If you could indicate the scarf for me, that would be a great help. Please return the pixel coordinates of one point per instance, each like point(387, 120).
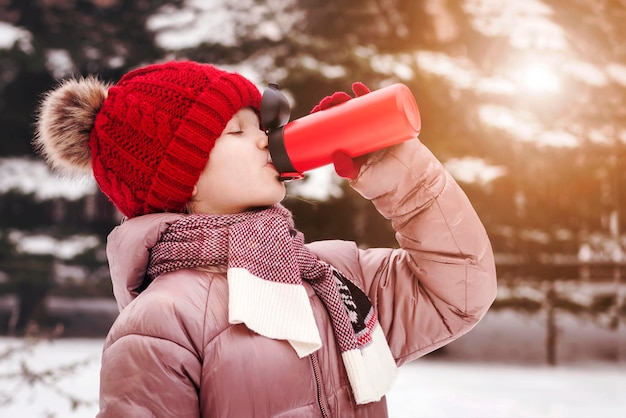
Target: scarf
point(266, 263)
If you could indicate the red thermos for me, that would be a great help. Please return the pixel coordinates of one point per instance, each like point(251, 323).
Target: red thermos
point(354, 128)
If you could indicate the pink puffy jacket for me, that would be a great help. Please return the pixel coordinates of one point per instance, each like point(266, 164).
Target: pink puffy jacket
point(173, 353)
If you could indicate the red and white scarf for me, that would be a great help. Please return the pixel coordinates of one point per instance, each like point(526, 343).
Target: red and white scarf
point(267, 261)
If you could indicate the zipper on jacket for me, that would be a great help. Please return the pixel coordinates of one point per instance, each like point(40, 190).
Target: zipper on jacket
point(321, 398)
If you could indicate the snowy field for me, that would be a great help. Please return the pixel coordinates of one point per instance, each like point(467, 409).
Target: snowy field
point(425, 388)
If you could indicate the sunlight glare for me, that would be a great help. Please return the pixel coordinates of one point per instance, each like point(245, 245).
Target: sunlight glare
point(538, 79)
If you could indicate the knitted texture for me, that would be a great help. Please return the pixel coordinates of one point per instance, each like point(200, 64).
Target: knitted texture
point(264, 243)
point(267, 261)
point(155, 131)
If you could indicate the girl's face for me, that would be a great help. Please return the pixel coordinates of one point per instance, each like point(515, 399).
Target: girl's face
point(239, 174)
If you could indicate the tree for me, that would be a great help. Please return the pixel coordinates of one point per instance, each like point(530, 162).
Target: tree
point(534, 89)
point(544, 105)
point(65, 37)
point(58, 39)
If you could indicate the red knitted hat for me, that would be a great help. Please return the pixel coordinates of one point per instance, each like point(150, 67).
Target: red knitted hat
point(154, 133)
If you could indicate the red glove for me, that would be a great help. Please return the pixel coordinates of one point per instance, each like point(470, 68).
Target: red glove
point(345, 166)
point(358, 88)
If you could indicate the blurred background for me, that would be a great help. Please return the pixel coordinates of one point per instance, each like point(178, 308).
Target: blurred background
point(524, 101)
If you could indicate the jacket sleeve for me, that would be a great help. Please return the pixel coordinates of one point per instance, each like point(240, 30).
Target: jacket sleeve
point(143, 376)
point(442, 279)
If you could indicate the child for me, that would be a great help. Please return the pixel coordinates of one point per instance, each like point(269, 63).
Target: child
point(224, 311)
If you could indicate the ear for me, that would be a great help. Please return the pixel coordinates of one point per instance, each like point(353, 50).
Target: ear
point(195, 191)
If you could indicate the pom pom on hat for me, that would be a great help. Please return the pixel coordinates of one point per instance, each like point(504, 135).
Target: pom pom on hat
point(146, 138)
point(64, 123)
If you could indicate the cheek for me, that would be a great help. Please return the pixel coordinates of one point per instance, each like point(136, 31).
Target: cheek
point(230, 180)
point(223, 164)
point(234, 174)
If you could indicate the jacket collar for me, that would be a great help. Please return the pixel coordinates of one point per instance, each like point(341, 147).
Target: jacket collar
point(128, 251)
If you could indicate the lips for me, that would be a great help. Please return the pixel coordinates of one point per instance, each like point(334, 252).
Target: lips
point(270, 163)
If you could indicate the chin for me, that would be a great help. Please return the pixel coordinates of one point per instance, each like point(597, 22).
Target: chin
point(270, 201)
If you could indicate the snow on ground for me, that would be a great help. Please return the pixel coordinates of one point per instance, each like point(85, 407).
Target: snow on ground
point(432, 387)
point(443, 389)
point(40, 401)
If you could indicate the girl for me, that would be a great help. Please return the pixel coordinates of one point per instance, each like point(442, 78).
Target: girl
point(224, 310)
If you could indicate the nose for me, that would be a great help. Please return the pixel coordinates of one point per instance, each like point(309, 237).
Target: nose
point(262, 141)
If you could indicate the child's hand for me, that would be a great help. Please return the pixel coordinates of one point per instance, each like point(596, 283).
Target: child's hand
point(345, 166)
point(358, 88)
